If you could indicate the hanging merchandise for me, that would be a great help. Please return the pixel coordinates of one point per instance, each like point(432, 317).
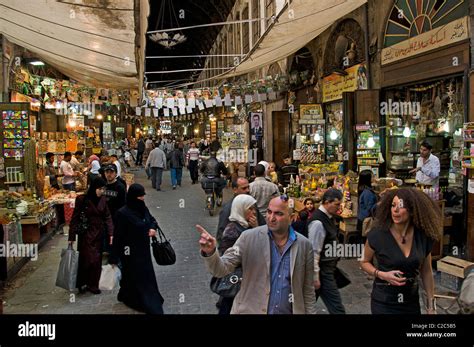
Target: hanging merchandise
point(30, 163)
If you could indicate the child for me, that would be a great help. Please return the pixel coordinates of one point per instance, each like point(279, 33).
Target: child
point(272, 172)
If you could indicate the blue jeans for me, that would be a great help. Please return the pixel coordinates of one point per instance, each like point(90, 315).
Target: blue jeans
point(176, 175)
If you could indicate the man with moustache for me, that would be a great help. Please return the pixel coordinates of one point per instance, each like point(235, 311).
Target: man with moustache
point(277, 264)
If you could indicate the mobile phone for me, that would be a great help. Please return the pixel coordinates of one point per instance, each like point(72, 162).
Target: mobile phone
point(399, 275)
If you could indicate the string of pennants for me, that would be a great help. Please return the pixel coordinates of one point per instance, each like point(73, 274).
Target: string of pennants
point(181, 106)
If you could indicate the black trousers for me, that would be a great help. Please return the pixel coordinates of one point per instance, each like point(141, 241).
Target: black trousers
point(193, 170)
point(328, 290)
point(139, 158)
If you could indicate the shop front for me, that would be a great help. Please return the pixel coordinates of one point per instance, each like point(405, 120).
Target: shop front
point(424, 98)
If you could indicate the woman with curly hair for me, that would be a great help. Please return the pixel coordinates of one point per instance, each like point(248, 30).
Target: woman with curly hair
point(406, 224)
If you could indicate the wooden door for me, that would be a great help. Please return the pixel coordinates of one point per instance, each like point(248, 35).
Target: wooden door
point(280, 135)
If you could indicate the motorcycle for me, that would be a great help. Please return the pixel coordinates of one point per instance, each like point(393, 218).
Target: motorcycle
point(212, 198)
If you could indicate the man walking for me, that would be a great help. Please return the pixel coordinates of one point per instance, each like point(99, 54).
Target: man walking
point(323, 234)
point(277, 276)
point(157, 162)
point(262, 190)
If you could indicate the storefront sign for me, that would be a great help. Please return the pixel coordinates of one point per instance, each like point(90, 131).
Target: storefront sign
point(120, 130)
point(452, 32)
point(335, 84)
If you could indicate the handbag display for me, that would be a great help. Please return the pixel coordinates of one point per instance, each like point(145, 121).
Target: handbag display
point(162, 250)
point(342, 278)
point(229, 285)
point(67, 273)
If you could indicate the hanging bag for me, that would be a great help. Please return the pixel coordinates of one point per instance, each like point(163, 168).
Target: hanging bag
point(162, 250)
point(67, 273)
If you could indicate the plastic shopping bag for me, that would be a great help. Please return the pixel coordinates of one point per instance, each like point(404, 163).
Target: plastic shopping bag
point(67, 273)
point(109, 277)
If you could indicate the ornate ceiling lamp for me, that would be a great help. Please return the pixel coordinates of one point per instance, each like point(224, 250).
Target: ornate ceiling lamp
point(168, 40)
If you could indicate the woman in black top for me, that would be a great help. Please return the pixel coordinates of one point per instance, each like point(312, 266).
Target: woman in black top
point(407, 222)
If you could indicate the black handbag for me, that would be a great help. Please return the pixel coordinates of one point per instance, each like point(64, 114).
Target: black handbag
point(162, 250)
point(229, 285)
point(342, 278)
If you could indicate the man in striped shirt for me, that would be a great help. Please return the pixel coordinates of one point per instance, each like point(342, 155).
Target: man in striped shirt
point(192, 158)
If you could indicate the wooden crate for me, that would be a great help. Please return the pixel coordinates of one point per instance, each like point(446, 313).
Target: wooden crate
point(454, 266)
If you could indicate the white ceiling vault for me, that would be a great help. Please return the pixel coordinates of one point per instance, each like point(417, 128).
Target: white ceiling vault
point(95, 42)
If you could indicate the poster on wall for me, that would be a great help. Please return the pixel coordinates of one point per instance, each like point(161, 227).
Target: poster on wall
point(256, 136)
point(256, 126)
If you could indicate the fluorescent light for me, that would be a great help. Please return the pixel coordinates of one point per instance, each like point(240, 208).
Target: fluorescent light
point(406, 131)
point(37, 63)
point(333, 135)
point(370, 142)
point(317, 137)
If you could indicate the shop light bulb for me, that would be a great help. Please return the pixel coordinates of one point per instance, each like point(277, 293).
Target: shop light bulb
point(138, 130)
point(446, 126)
point(333, 135)
point(370, 142)
point(72, 123)
point(99, 117)
point(196, 131)
point(317, 137)
point(406, 131)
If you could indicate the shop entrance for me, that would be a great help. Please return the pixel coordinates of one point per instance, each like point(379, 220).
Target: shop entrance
point(281, 135)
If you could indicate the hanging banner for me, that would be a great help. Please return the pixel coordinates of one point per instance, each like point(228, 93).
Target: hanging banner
point(452, 32)
point(334, 85)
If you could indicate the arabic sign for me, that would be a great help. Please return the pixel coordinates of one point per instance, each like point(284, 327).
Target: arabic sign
point(334, 85)
point(452, 32)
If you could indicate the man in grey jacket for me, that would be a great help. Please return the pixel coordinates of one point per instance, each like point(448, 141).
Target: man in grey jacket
point(157, 162)
point(277, 265)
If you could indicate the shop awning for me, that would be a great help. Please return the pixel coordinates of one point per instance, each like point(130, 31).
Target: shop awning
point(298, 24)
point(92, 42)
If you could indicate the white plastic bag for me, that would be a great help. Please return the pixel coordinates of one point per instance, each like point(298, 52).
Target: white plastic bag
point(109, 277)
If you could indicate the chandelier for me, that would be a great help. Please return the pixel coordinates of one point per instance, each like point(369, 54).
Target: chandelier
point(172, 38)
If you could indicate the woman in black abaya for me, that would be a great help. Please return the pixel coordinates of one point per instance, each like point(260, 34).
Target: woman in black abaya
point(134, 225)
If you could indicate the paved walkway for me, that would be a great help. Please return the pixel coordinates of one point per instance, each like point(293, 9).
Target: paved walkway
point(184, 286)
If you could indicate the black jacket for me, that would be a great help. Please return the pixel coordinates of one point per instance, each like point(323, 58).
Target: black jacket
point(213, 167)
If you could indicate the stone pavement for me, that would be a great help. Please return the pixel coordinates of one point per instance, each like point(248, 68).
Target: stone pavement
point(184, 285)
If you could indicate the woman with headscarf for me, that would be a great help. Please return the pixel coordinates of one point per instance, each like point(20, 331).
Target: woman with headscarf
point(93, 168)
point(94, 206)
point(134, 225)
point(243, 216)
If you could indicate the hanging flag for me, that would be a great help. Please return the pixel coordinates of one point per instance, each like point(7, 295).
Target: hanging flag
point(147, 112)
point(138, 111)
point(218, 101)
point(170, 102)
point(166, 112)
point(227, 100)
point(192, 102)
point(159, 103)
point(200, 106)
point(155, 112)
point(238, 100)
point(175, 111)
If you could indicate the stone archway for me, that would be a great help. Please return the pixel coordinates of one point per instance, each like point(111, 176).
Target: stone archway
point(345, 47)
